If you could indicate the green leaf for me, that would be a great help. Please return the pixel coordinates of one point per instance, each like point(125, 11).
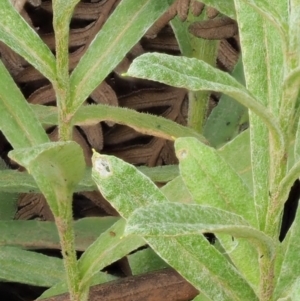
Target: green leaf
point(203, 266)
point(109, 174)
point(141, 122)
point(18, 122)
point(239, 249)
point(239, 148)
point(228, 118)
point(245, 257)
point(145, 261)
point(57, 167)
point(8, 205)
point(109, 247)
point(22, 266)
point(201, 297)
point(161, 174)
point(120, 33)
point(200, 263)
point(196, 75)
point(276, 12)
point(212, 181)
point(176, 191)
point(8, 201)
point(15, 181)
point(175, 219)
point(18, 35)
point(43, 235)
point(266, 87)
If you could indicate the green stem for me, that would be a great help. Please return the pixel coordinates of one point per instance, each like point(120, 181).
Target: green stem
point(62, 89)
point(206, 50)
point(61, 21)
point(62, 13)
point(198, 103)
point(64, 121)
point(267, 266)
point(64, 224)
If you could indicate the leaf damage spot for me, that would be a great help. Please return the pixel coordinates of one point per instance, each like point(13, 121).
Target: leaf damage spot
point(102, 165)
point(182, 154)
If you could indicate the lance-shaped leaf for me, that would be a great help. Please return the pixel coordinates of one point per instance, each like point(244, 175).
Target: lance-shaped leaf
point(109, 247)
point(229, 117)
point(199, 262)
point(203, 266)
point(261, 46)
point(56, 167)
point(18, 35)
point(123, 185)
point(22, 266)
point(8, 201)
point(120, 33)
point(43, 235)
point(212, 181)
point(239, 146)
point(195, 75)
point(16, 181)
point(141, 122)
point(18, 122)
point(275, 11)
point(245, 256)
point(175, 219)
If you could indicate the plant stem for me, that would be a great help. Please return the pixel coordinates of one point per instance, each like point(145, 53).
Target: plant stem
point(198, 103)
point(199, 100)
point(206, 50)
point(64, 224)
point(61, 21)
point(62, 13)
point(267, 266)
point(63, 89)
point(64, 121)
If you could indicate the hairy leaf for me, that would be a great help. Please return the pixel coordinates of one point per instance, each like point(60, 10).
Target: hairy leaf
point(121, 32)
point(56, 167)
point(195, 75)
point(200, 263)
point(212, 181)
point(175, 219)
point(18, 122)
point(18, 35)
point(22, 266)
point(97, 256)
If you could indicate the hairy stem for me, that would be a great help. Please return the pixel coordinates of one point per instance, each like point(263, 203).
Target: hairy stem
point(64, 223)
